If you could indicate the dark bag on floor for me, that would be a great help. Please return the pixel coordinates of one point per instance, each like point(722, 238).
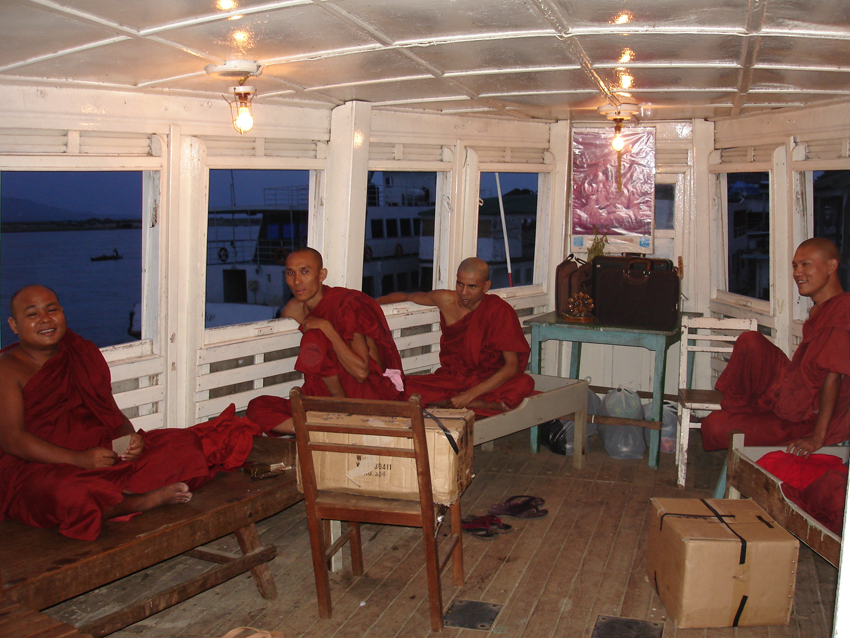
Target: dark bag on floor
point(572, 276)
point(636, 292)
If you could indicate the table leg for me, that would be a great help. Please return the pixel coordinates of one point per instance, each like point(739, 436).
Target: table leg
point(657, 402)
point(575, 359)
point(536, 346)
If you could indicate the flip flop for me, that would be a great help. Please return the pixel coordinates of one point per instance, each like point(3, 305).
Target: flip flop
point(513, 502)
point(479, 529)
point(494, 522)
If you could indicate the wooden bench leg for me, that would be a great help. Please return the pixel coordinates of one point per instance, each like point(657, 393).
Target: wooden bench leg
point(249, 541)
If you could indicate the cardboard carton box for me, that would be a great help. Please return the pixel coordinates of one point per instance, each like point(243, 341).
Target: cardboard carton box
point(395, 477)
point(721, 563)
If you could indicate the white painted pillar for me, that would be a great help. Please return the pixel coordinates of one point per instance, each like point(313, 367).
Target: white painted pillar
point(184, 264)
point(344, 221)
point(464, 222)
point(557, 235)
point(782, 247)
point(701, 251)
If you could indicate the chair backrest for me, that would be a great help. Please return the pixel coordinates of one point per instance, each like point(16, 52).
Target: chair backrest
point(304, 413)
point(708, 334)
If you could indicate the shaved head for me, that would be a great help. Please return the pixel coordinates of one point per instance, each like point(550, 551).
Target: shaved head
point(826, 248)
point(306, 250)
point(476, 267)
point(29, 288)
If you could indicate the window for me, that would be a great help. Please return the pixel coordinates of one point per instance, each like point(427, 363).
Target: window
point(665, 206)
point(256, 218)
point(748, 234)
point(395, 213)
point(78, 233)
point(831, 208)
point(519, 198)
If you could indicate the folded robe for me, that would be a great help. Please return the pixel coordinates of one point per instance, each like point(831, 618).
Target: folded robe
point(350, 312)
point(774, 400)
point(69, 403)
point(471, 351)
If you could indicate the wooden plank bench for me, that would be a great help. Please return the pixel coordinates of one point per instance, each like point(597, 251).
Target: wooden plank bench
point(42, 568)
point(21, 622)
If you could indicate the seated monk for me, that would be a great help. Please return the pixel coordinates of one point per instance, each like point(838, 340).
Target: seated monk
point(347, 349)
point(57, 423)
point(804, 402)
point(483, 352)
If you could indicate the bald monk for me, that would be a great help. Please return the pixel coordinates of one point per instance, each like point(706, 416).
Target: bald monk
point(57, 423)
point(804, 402)
point(347, 348)
point(483, 352)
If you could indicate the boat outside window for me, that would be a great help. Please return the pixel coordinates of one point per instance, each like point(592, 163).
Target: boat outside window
point(398, 255)
point(256, 218)
point(80, 234)
point(748, 234)
point(511, 261)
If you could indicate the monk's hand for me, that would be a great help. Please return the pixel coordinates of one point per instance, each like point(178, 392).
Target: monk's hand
point(461, 400)
point(95, 458)
point(135, 448)
point(805, 446)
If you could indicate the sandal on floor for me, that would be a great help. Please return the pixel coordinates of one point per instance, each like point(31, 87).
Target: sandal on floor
point(479, 529)
point(520, 507)
point(494, 522)
point(516, 501)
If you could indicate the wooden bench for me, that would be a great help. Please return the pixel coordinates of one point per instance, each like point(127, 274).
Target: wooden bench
point(21, 622)
point(42, 568)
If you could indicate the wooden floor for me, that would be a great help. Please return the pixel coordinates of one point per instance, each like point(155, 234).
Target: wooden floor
point(552, 575)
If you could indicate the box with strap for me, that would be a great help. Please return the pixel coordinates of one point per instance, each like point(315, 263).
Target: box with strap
point(721, 563)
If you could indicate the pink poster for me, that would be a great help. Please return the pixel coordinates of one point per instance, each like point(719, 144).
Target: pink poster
point(611, 195)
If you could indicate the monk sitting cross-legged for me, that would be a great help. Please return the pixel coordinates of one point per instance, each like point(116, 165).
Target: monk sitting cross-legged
point(58, 419)
point(347, 348)
point(483, 352)
point(804, 402)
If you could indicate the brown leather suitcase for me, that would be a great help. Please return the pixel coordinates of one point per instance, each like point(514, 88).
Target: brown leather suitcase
point(636, 292)
point(571, 276)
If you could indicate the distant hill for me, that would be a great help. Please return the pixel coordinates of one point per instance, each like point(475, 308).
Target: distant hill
point(15, 209)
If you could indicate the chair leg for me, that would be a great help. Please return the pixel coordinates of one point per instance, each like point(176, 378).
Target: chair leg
point(457, 552)
point(684, 432)
point(356, 549)
point(432, 567)
point(320, 565)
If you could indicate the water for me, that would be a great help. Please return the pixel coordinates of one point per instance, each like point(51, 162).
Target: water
point(97, 295)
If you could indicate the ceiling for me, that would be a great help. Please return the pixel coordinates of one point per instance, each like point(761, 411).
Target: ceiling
point(549, 59)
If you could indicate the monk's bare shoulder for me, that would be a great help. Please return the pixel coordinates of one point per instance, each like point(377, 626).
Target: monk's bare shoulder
point(294, 309)
point(14, 369)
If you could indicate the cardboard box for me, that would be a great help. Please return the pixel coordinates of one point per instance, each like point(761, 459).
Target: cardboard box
point(721, 563)
point(395, 477)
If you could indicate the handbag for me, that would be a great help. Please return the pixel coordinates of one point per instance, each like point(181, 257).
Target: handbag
point(252, 633)
point(635, 294)
point(572, 276)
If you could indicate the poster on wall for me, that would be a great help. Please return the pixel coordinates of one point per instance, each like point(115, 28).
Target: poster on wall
point(613, 194)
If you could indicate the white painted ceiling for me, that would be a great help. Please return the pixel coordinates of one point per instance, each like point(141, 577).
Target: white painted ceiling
point(521, 58)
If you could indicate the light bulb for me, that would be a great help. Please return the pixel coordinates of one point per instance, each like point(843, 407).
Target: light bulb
point(618, 143)
point(244, 121)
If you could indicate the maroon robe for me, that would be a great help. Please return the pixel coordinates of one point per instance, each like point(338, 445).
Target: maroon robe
point(69, 403)
point(350, 312)
point(775, 401)
point(471, 351)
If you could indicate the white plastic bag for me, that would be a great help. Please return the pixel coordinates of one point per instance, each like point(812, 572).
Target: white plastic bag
point(623, 442)
point(669, 425)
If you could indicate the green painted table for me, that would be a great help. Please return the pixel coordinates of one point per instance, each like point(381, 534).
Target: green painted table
point(550, 327)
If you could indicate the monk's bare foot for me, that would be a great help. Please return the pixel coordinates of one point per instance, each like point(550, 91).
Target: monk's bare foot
point(174, 493)
point(287, 427)
point(499, 406)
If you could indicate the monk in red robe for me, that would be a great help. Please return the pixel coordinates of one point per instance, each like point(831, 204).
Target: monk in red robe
point(57, 424)
point(347, 348)
point(804, 402)
point(483, 352)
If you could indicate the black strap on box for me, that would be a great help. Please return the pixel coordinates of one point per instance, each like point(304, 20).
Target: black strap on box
point(720, 517)
point(444, 429)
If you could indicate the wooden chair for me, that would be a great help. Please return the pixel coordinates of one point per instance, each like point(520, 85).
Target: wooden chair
point(702, 334)
point(323, 505)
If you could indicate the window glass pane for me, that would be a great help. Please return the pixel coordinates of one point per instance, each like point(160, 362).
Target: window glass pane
point(78, 233)
point(665, 201)
point(519, 196)
point(748, 197)
point(256, 218)
point(396, 260)
point(832, 211)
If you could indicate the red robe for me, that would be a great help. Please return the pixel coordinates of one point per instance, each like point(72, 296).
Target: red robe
point(775, 401)
point(350, 312)
point(69, 403)
point(471, 351)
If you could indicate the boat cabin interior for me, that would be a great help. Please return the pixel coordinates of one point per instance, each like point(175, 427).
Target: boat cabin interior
point(404, 136)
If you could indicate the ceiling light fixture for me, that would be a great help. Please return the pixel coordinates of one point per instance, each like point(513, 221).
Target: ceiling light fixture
point(619, 114)
point(241, 96)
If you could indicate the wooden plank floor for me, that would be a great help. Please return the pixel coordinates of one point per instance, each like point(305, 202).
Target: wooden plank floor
point(552, 575)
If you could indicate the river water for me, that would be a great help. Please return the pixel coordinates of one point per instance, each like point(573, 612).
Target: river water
point(97, 296)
